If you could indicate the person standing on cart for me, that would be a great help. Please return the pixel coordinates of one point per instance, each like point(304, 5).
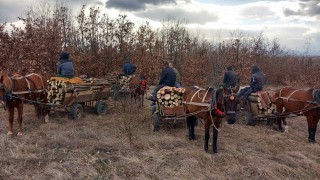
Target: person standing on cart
point(167, 78)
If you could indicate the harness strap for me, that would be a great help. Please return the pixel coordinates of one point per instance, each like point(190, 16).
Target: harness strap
point(205, 95)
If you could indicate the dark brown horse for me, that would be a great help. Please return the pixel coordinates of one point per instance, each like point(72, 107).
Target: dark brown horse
point(18, 89)
point(209, 105)
point(138, 89)
point(301, 102)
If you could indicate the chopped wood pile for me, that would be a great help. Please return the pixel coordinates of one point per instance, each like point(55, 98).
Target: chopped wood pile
point(257, 105)
point(124, 82)
point(58, 89)
point(170, 96)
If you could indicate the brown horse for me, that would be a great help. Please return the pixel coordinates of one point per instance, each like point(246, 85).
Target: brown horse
point(18, 89)
point(301, 102)
point(137, 89)
point(209, 105)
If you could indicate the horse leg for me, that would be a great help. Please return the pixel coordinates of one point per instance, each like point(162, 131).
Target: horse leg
point(286, 127)
point(215, 138)
point(206, 135)
point(313, 130)
point(191, 123)
point(20, 113)
point(11, 117)
point(279, 121)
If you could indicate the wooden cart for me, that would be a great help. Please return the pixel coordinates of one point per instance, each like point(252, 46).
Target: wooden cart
point(74, 102)
point(167, 115)
point(251, 114)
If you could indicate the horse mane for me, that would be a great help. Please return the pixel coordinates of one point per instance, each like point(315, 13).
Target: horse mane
point(316, 95)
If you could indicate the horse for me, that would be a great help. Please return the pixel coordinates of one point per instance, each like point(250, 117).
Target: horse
point(18, 89)
point(138, 89)
point(289, 100)
point(210, 105)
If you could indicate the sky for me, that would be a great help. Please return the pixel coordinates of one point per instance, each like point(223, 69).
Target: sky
point(295, 23)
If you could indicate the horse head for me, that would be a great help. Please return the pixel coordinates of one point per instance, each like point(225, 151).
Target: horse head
point(5, 83)
point(230, 101)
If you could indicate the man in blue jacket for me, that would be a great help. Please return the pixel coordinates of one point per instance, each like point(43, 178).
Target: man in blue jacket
point(167, 78)
point(128, 68)
point(65, 66)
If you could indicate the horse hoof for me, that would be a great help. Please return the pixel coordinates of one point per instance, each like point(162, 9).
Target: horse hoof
point(20, 134)
point(214, 151)
point(9, 133)
point(46, 119)
point(312, 141)
point(286, 129)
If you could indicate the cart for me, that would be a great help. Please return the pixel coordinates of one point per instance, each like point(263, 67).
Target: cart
point(74, 102)
point(251, 114)
point(167, 115)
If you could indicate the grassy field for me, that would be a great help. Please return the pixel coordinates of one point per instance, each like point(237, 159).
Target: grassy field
point(121, 145)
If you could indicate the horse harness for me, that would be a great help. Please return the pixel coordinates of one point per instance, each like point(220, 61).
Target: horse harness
point(10, 94)
point(305, 108)
point(211, 105)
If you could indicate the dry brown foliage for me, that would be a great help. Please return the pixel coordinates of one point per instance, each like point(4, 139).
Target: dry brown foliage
point(100, 45)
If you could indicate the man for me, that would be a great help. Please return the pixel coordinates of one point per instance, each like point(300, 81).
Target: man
point(167, 78)
point(230, 78)
point(257, 81)
point(128, 68)
point(65, 66)
point(178, 82)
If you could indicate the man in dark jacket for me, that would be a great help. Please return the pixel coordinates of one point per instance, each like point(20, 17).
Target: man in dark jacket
point(230, 78)
point(167, 78)
point(257, 81)
point(65, 66)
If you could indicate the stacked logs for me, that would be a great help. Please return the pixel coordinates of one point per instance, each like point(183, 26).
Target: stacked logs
point(170, 96)
point(57, 89)
point(124, 82)
point(257, 107)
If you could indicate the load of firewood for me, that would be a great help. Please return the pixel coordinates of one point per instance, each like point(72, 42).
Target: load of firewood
point(124, 82)
point(57, 89)
point(170, 96)
point(258, 107)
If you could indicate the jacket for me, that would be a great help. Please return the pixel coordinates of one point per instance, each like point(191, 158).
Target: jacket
point(230, 79)
point(257, 80)
point(168, 77)
point(65, 68)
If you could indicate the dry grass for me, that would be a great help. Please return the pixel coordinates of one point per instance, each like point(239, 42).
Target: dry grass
point(121, 145)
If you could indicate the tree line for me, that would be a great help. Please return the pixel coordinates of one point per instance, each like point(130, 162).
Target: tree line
point(99, 45)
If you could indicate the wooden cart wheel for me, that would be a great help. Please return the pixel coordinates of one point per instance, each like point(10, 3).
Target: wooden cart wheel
point(76, 111)
point(245, 117)
point(101, 107)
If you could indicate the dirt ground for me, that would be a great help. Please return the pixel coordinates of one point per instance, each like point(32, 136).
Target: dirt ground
point(121, 145)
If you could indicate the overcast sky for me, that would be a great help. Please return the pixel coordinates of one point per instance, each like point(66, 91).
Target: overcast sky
point(293, 22)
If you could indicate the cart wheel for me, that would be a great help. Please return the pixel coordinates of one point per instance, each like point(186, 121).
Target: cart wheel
point(155, 124)
point(101, 107)
point(76, 111)
point(246, 118)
